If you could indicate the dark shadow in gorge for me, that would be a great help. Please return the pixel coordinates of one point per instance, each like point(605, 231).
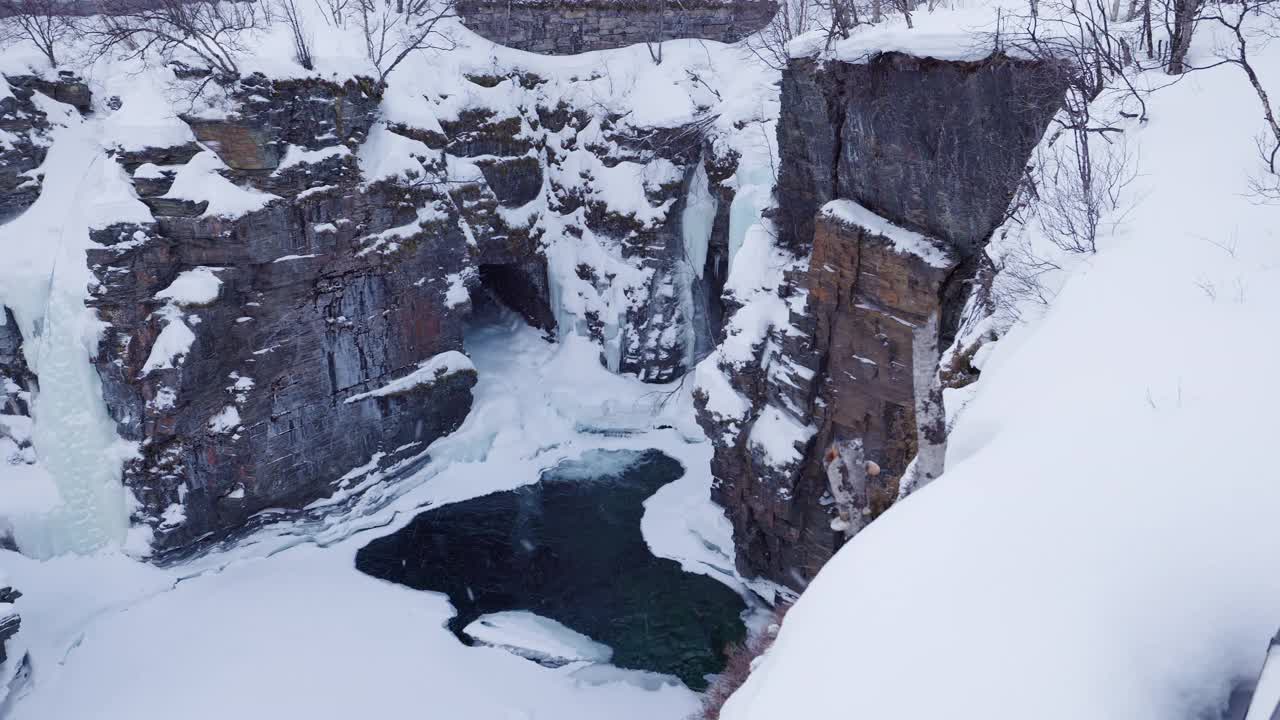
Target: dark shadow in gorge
point(569, 548)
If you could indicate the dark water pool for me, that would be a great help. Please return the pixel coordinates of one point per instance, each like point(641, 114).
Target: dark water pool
point(569, 548)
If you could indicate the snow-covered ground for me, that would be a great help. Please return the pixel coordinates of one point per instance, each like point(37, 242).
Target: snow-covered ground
point(280, 625)
point(1103, 544)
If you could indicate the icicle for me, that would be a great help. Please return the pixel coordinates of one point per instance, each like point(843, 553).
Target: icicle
point(697, 220)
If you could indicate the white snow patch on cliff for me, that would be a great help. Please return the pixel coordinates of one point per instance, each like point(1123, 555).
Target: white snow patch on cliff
point(172, 344)
point(200, 181)
point(227, 419)
point(198, 286)
point(932, 251)
point(295, 155)
point(429, 372)
point(779, 437)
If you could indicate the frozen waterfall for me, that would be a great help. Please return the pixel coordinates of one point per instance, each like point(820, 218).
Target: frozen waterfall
point(46, 286)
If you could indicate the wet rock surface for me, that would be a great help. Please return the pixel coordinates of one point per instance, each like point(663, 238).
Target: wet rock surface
point(569, 548)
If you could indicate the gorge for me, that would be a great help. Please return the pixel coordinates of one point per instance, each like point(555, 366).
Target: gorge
point(541, 371)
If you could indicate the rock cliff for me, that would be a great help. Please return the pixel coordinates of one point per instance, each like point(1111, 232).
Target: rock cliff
point(291, 317)
point(893, 174)
point(567, 27)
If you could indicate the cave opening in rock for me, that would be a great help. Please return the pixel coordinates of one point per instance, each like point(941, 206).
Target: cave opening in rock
point(520, 287)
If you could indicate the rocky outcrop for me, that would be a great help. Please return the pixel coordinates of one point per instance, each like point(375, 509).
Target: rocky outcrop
point(23, 144)
point(16, 379)
point(567, 27)
point(17, 383)
point(936, 146)
point(275, 333)
point(894, 172)
point(248, 356)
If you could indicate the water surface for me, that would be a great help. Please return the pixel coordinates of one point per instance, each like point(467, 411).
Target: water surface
point(569, 548)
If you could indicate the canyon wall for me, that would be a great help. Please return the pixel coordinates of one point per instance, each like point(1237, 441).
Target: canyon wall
point(291, 317)
point(893, 174)
point(567, 27)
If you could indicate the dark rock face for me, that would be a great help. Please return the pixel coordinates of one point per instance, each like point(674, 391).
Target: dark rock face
point(17, 383)
point(22, 149)
point(10, 623)
point(16, 379)
point(267, 407)
point(936, 147)
point(568, 27)
point(900, 135)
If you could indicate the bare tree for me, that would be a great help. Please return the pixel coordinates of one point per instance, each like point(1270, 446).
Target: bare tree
point(43, 23)
point(1236, 17)
point(335, 11)
point(1184, 22)
point(794, 18)
point(393, 29)
point(1081, 170)
point(298, 32)
point(211, 33)
point(1080, 188)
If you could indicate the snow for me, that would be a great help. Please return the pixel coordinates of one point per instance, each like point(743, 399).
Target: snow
point(457, 294)
point(172, 344)
point(198, 286)
point(295, 155)
point(428, 372)
point(535, 637)
point(780, 437)
point(146, 117)
point(957, 34)
point(1266, 697)
point(200, 181)
point(932, 251)
point(1101, 543)
point(227, 419)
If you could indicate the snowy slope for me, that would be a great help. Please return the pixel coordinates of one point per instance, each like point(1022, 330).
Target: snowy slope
point(1103, 542)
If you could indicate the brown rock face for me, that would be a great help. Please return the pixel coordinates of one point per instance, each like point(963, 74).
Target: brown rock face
point(870, 319)
point(869, 302)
